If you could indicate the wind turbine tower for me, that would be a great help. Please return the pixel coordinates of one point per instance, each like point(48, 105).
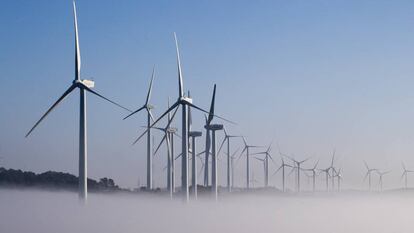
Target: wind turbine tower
point(84, 86)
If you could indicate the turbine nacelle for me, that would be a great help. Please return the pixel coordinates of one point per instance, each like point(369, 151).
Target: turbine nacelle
point(195, 134)
point(185, 99)
point(214, 127)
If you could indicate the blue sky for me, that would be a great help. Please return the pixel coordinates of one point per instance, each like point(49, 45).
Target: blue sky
point(311, 75)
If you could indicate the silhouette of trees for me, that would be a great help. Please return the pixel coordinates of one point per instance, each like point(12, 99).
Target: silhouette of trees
point(51, 179)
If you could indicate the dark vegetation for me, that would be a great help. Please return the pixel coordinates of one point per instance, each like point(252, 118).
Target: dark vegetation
point(52, 180)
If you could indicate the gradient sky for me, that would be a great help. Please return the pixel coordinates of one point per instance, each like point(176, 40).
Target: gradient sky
point(310, 75)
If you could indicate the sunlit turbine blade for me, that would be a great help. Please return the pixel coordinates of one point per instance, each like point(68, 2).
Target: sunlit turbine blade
point(150, 86)
point(99, 95)
point(77, 50)
point(67, 92)
point(180, 77)
point(150, 113)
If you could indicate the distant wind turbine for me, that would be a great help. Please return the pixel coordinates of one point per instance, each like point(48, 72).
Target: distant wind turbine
point(168, 137)
point(368, 174)
point(405, 175)
point(147, 106)
point(229, 163)
point(282, 168)
point(247, 150)
point(266, 164)
point(297, 163)
point(313, 171)
point(381, 174)
point(83, 85)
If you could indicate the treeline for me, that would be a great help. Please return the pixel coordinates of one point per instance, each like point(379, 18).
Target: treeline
point(52, 180)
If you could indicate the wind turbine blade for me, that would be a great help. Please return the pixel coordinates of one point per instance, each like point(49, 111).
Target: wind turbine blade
point(211, 113)
point(69, 90)
point(366, 165)
point(99, 95)
point(259, 159)
point(150, 86)
point(235, 152)
point(271, 158)
point(316, 164)
point(180, 77)
point(168, 125)
point(196, 107)
point(333, 157)
point(159, 145)
point(77, 50)
point(402, 176)
point(366, 175)
point(274, 173)
point(402, 163)
point(166, 112)
point(221, 145)
point(291, 171)
point(150, 113)
point(200, 153)
point(136, 111)
point(305, 160)
point(258, 153)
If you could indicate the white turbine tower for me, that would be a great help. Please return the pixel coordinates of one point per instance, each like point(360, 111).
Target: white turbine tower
point(83, 85)
point(147, 106)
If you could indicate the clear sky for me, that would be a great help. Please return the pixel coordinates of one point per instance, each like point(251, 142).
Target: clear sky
point(312, 75)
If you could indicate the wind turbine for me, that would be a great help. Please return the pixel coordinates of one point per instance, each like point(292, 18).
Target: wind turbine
point(185, 103)
point(298, 163)
point(208, 139)
point(405, 175)
point(169, 133)
point(232, 158)
point(381, 174)
point(247, 148)
point(266, 164)
point(338, 175)
point(313, 170)
point(147, 106)
point(84, 86)
point(327, 175)
point(229, 163)
point(332, 169)
point(368, 174)
point(282, 168)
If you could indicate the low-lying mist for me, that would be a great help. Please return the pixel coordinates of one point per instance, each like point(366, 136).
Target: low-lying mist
point(46, 211)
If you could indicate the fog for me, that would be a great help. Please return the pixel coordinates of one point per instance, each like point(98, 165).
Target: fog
point(44, 211)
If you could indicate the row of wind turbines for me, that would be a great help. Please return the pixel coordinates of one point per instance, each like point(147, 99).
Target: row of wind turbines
point(189, 142)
